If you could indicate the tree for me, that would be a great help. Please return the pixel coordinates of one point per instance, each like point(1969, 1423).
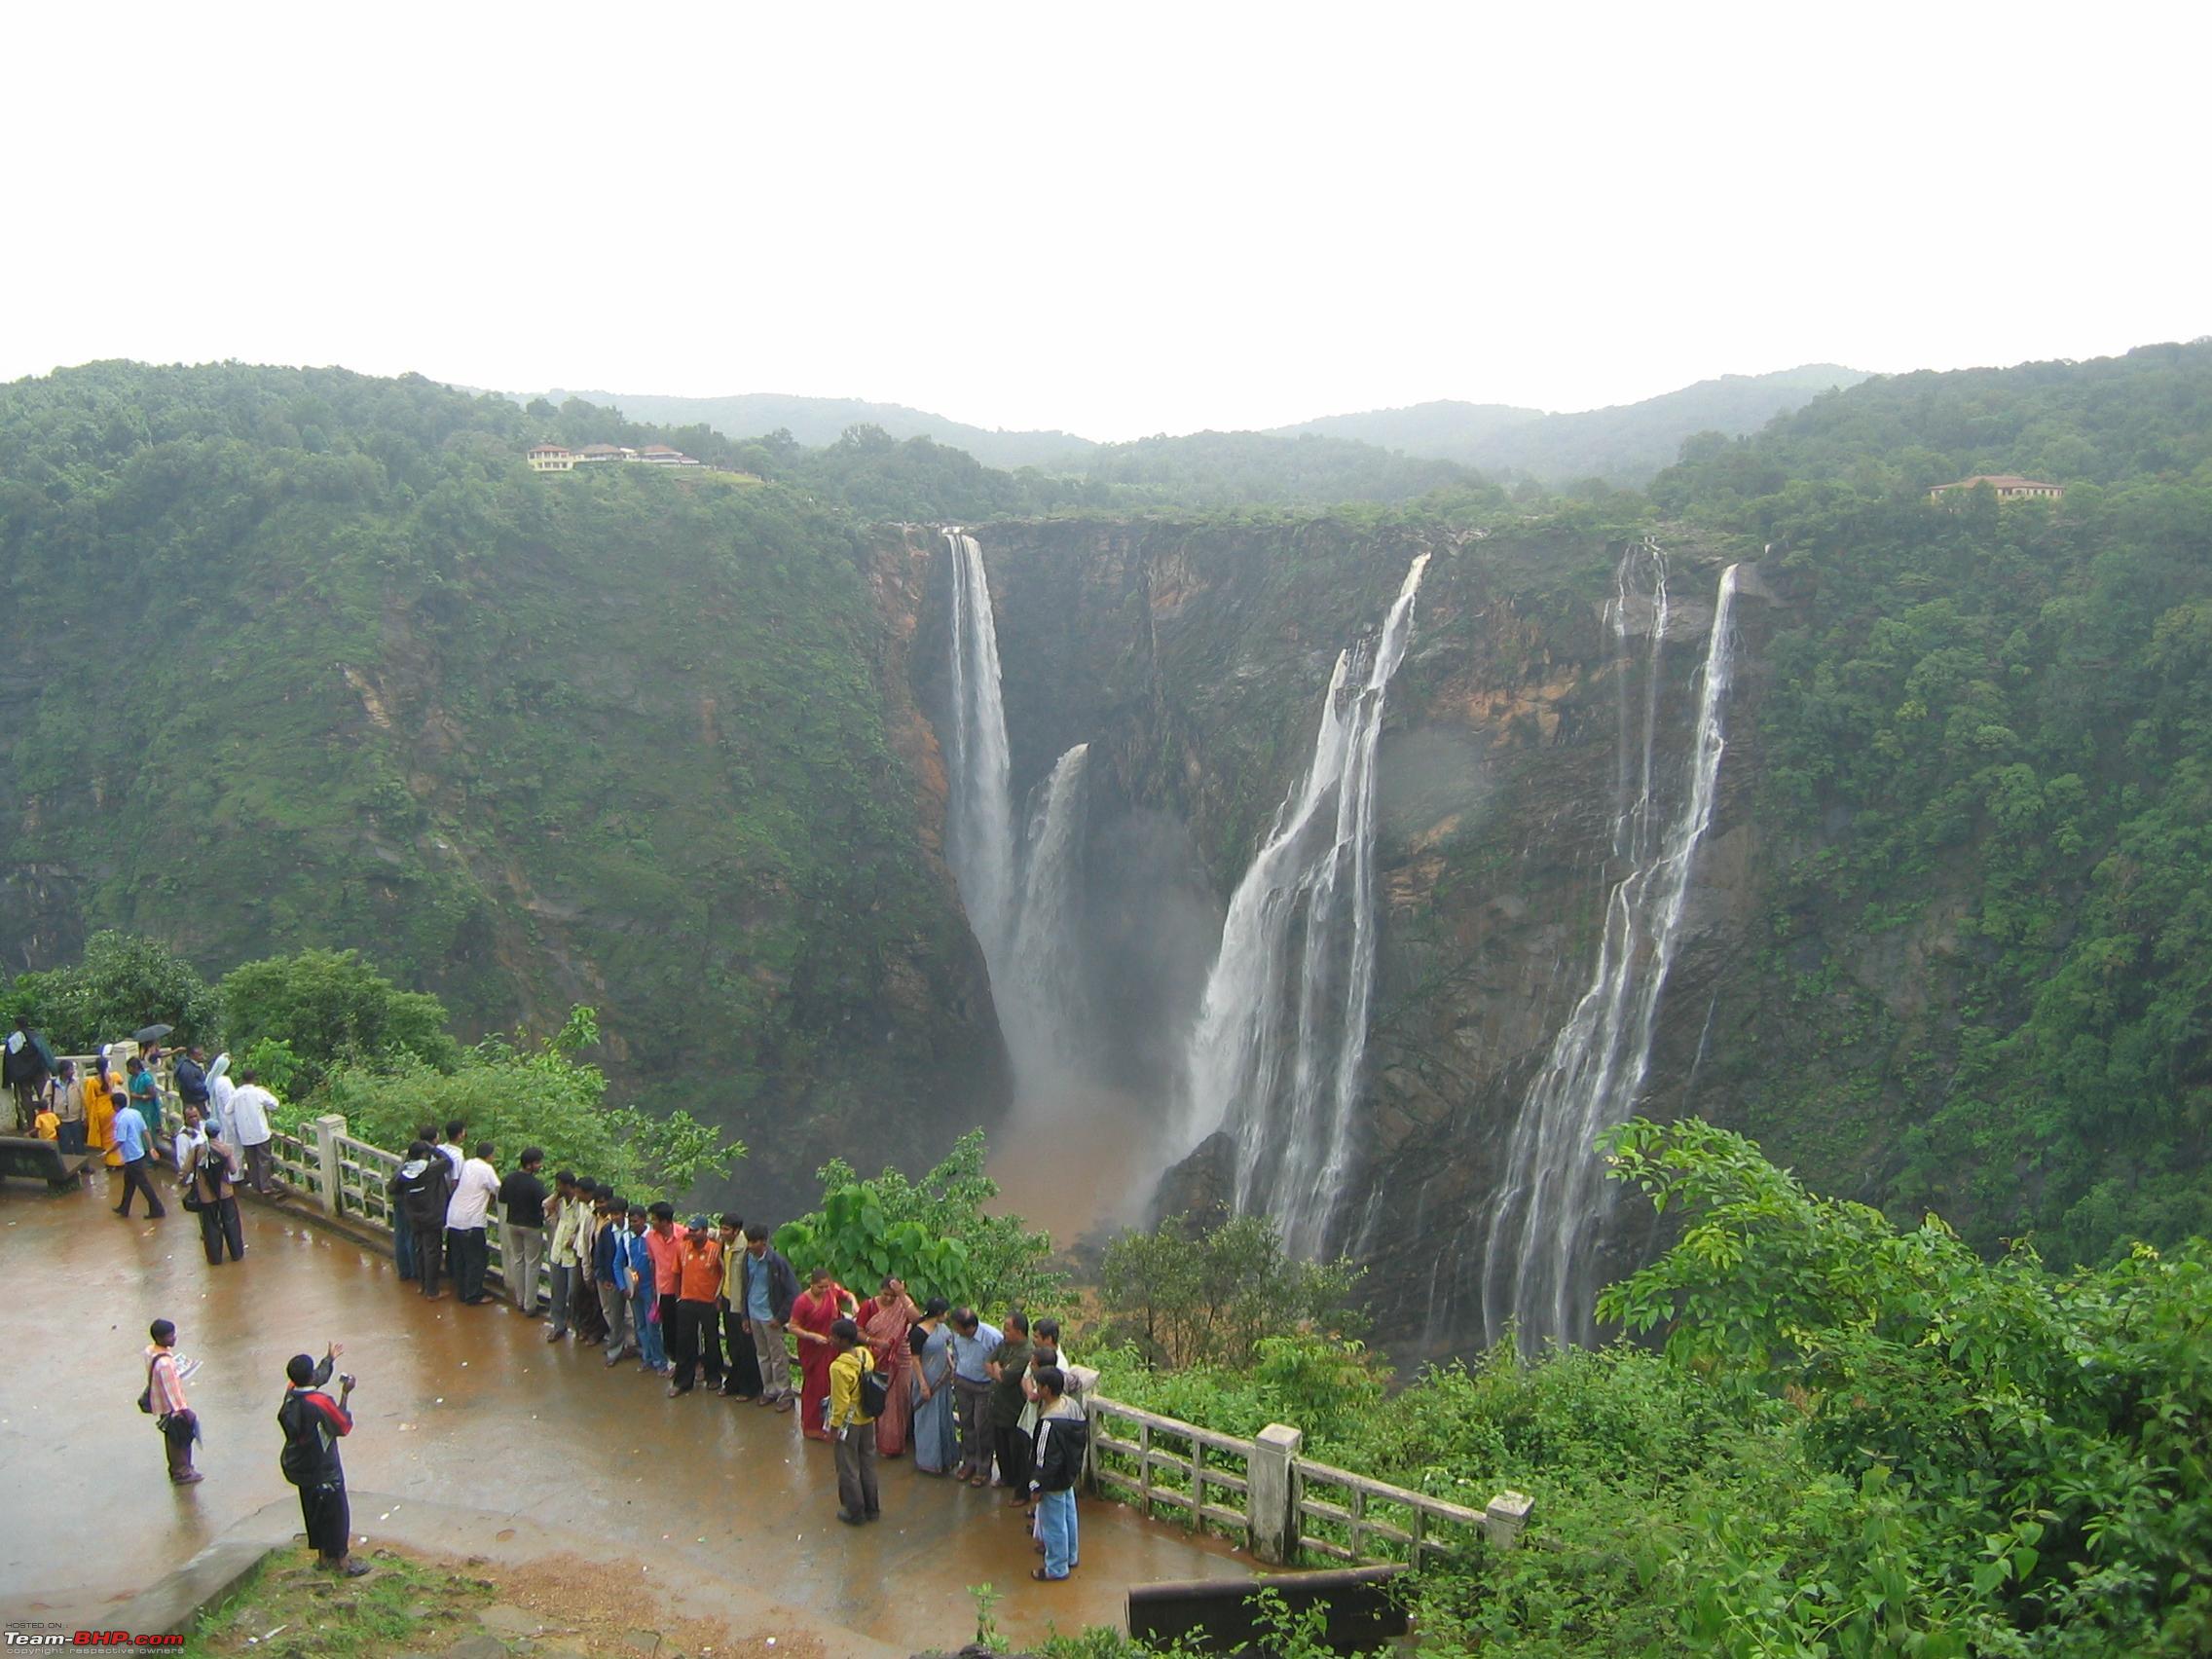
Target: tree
point(935, 1233)
point(121, 984)
point(516, 1094)
point(329, 1006)
point(1213, 1295)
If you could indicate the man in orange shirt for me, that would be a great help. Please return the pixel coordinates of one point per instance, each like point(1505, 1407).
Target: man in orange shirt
point(699, 1281)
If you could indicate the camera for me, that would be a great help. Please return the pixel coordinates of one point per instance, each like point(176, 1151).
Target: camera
point(345, 1379)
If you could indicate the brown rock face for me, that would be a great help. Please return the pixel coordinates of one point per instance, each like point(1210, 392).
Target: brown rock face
point(1193, 659)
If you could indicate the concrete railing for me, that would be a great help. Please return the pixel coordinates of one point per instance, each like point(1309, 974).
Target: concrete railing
point(353, 1181)
point(1258, 1489)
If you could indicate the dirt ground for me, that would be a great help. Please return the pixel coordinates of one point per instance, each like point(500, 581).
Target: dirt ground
point(473, 1607)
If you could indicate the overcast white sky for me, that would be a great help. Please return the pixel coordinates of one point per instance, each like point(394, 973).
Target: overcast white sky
point(1115, 219)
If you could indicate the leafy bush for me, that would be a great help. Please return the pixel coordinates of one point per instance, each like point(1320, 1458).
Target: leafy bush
point(1188, 1296)
point(934, 1234)
point(518, 1094)
point(328, 1006)
point(120, 984)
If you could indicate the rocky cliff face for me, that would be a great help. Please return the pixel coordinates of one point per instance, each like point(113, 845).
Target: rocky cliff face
point(1193, 659)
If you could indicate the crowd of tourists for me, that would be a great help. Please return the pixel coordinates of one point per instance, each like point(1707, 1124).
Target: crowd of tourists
point(710, 1307)
point(713, 1307)
point(112, 1112)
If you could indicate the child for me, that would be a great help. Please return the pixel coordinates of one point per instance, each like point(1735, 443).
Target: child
point(47, 1125)
point(1062, 1434)
point(852, 1428)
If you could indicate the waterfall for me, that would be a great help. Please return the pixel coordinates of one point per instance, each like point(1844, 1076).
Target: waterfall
point(1275, 1057)
point(1546, 1222)
point(1043, 1001)
point(980, 817)
point(1023, 896)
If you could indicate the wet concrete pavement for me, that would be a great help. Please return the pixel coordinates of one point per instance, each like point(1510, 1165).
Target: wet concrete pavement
point(463, 1406)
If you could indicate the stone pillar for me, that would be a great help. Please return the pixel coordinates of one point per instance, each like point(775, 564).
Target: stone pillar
point(1504, 1516)
point(327, 1129)
point(1271, 1493)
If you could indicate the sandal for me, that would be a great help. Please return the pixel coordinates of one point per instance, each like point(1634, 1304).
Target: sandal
point(1042, 1576)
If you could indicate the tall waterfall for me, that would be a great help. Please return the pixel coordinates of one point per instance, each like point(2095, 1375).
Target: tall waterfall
point(1023, 893)
point(980, 828)
point(1275, 1057)
point(1546, 1222)
point(1044, 1001)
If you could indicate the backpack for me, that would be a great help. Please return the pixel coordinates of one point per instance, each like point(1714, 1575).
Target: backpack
point(876, 1394)
point(301, 1461)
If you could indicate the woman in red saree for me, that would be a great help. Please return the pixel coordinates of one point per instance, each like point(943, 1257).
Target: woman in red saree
point(820, 1305)
point(885, 1320)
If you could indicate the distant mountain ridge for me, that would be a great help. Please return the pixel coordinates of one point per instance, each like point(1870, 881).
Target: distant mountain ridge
point(818, 420)
point(1626, 443)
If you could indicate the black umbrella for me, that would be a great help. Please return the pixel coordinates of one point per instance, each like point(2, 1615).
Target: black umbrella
point(151, 1033)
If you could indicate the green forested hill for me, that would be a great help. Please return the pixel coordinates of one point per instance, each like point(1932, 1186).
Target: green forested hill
point(1988, 786)
point(816, 421)
point(305, 658)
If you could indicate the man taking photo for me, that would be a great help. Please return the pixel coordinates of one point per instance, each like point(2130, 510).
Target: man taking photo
point(314, 1424)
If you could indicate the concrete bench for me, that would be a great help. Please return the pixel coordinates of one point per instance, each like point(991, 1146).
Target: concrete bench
point(40, 1160)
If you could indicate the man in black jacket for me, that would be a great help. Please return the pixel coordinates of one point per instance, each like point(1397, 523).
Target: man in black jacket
point(1063, 1434)
point(25, 1068)
point(190, 1076)
point(418, 1194)
point(314, 1424)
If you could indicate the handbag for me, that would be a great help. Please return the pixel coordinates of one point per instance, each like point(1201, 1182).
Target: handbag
point(146, 1394)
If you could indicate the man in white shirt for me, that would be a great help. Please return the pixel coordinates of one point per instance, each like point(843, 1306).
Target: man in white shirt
point(468, 1243)
point(251, 1107)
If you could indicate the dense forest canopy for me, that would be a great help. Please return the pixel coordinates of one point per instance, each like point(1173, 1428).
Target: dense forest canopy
point(1990, 744)
point(308, 659)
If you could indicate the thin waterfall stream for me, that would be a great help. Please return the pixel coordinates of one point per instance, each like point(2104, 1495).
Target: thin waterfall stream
point(1548, 1218)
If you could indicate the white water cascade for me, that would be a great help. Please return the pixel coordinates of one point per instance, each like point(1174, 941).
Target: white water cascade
point(1023, 892)
point(1275, 1057)
point(1546, 1222)
point(1043, 1000)
point(980, 829)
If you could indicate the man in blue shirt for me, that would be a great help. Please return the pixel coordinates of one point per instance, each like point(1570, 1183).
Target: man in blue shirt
point(973, 1344)
point(136, 1148)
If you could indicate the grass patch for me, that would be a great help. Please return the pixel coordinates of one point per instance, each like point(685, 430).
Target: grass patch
point(290, 1607)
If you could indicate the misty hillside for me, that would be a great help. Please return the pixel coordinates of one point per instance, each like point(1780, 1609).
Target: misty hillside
point(1625, 444)
point(1447, 430)
point(818, 420)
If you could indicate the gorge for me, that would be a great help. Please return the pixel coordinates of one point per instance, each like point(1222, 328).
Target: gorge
point(1358, 864)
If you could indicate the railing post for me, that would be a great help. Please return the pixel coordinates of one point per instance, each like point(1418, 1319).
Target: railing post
point(1506, 1515)
point(1271, 1493)
point(327, 1128)
point(1091, 1417)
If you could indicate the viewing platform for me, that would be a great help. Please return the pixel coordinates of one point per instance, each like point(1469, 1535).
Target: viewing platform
point(465, 1407)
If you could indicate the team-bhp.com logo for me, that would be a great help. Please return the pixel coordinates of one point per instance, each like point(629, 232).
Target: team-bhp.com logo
point(19, 1637)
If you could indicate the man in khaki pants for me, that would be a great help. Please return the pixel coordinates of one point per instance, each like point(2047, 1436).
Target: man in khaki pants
point(770, 1289)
